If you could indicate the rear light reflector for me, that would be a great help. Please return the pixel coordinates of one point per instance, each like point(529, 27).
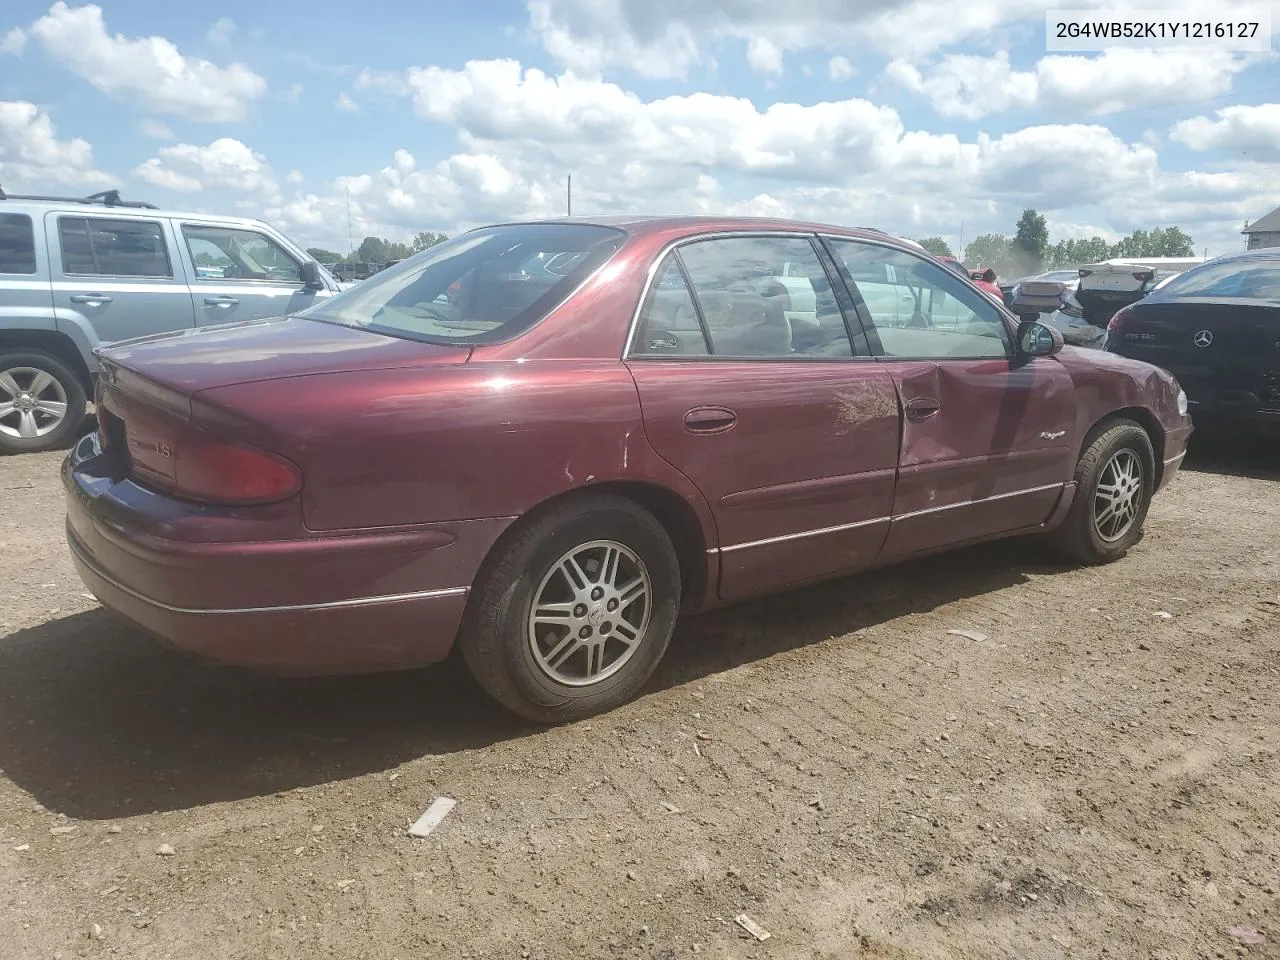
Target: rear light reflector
point(206, 468)
point(1084, 273)
point(1117, 319)
point(1144, 275)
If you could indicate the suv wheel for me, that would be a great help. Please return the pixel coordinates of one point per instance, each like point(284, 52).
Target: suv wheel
point(42, 402)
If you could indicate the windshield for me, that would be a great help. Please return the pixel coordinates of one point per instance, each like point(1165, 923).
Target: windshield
point(481, 287)
point(1250, 280)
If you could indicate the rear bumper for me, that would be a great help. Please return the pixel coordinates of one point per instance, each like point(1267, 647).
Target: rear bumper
point(334, 604)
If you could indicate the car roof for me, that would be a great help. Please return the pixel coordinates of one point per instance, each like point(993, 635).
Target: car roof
point(33, 205)
point(639, 225)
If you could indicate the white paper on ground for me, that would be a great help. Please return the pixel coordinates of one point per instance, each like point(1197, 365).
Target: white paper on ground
point(438, 810)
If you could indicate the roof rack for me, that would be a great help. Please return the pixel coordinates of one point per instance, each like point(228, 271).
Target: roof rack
point(108, 198)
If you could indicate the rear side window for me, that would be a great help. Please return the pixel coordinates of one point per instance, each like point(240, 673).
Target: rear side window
point(481, 287)
point(17, 244)
point(113, 248)
point(1250, 280)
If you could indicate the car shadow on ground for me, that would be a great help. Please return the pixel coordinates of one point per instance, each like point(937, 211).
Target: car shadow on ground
point(101, 722)
point(1253, 458)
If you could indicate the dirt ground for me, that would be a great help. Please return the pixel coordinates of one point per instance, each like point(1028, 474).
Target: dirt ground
point(1096, 777)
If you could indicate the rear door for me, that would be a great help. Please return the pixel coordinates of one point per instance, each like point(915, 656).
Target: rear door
point(749, 384)
point(987, 442)
point(116, 274)
point(239, 273)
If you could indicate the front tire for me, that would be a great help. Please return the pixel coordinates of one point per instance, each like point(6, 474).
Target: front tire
point(42, 402)
point(1115, 480)
point(575, 610)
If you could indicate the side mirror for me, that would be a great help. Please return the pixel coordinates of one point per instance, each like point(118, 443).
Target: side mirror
point(1038, 340)
point(309, 274)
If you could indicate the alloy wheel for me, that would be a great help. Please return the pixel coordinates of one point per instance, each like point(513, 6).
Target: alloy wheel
point(1118, 496)
point(590, 613)
point(33, 403)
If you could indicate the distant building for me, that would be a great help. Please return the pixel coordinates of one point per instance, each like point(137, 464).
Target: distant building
point(1264, 232)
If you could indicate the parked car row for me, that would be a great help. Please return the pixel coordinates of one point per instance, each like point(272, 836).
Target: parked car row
point(76, 273)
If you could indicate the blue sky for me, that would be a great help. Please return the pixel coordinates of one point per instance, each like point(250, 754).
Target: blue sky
point(923, 118)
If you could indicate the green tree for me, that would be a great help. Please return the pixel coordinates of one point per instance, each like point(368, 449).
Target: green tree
point(937, 246)
point(988, 250)
point(1066, 254)
point(1031, 241)
point(1160, 242)
point(426, 239)
point(324, 256)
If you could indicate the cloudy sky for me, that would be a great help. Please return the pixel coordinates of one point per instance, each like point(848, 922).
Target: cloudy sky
point(923, 117)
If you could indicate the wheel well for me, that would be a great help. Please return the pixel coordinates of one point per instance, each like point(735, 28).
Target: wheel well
point(54, 343)
point(677, 518)
point(1143, 418)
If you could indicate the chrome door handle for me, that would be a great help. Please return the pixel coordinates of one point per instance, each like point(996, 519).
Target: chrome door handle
point(93, 299)
point(709, 419)
point(220, 301)
point(922, 408)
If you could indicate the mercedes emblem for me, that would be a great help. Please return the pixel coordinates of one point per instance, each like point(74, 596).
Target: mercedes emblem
point(1202, 338)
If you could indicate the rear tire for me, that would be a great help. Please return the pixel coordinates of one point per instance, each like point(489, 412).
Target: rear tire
point(42, 402)
point(605, 580)
point(1115, 480)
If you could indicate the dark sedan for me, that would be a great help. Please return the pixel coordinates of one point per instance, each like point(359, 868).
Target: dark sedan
point(549, 465)
point(1217, 328)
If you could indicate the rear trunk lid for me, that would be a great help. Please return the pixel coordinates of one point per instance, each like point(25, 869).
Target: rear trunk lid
point(147, 404)
point(1106, 287)
point(189, 361)
point(1224, 352)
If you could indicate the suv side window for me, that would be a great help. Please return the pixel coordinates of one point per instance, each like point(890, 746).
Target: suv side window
point(225, 253)
point(17, 244)
point(96, 247)
point(919, 309)
point(766, 296)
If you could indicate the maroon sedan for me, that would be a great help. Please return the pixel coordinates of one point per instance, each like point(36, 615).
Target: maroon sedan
point(544, 441)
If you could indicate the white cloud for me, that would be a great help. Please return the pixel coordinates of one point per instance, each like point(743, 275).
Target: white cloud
point(31, 154)
point(839, 68)
point(149, 71)
point(295, 177)
point(971, 87)
point(223, 163)
point(346, 104)
point(404, 161)
point(665, 38)
point(221, 32)
point(156, 129)
point(154, 172)
point(764, 56)
point(15, 41)
point(1251, 133)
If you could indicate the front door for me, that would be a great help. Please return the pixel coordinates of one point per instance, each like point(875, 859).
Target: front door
point(241, 274)
point(749, 384)
point(116, 277)
point(988, 440)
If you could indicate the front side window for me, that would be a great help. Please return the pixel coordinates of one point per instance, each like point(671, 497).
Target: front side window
point(765, 297)
point(222, 253)
point(95, 247)
point(480, 287)
point(17, 244)
point(919, 309)
point(1250, 280)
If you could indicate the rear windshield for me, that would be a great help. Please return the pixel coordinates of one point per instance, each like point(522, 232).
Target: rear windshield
point(481, 287)
point(1250, 280)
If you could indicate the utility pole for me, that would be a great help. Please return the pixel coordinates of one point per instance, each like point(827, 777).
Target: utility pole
point(569, 194)
point(351, 248)
point(960, 252)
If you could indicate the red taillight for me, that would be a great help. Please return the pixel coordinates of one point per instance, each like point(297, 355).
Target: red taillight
point(196, 465)
point(1118, 318)
point(206, 468)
